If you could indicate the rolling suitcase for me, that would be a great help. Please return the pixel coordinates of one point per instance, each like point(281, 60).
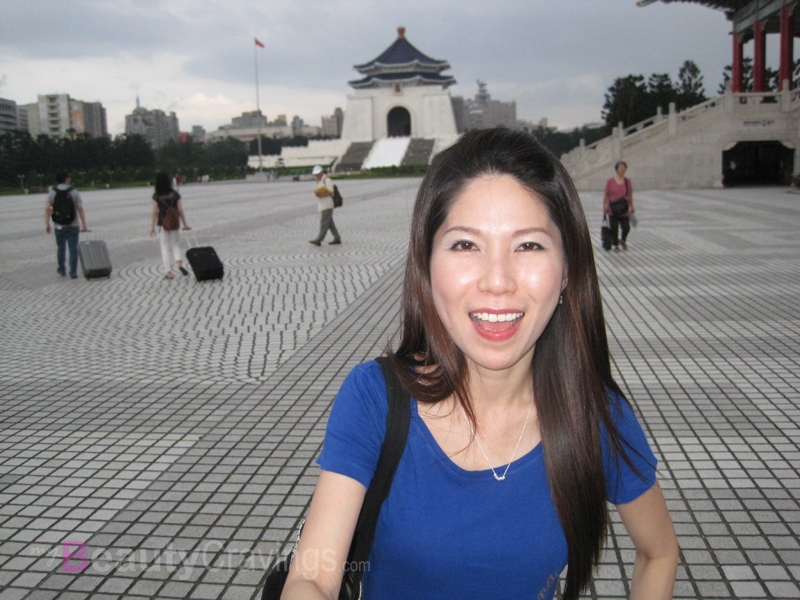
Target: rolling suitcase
point(204, 261)
point(95, 260)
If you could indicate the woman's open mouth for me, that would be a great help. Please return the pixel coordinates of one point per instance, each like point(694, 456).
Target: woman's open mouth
point(495, 323)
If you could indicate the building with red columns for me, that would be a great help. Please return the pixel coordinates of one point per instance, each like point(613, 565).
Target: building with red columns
point(752, 21)
point(745, 136)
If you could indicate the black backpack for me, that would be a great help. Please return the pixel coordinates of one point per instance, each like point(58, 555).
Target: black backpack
point(63, 207)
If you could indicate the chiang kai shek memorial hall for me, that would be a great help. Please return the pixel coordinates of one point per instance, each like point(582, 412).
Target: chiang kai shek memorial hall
point(401, 113)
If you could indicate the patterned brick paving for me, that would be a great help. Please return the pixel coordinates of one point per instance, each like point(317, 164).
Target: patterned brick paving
point(172, 426)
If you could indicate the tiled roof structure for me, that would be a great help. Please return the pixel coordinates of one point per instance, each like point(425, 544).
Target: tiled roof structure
point(744, 13)
point(402, 63)
point(718, 4)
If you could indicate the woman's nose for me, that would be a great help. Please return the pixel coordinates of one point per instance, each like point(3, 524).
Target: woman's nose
point(497, 275)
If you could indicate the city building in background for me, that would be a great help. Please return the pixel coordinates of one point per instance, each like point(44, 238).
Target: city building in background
point(249, 120)
point(198, 133)
point(155, 125)
point(58, 115)
point(247, 126)
point(299, 127)
point(55, 116)
point(332, 125)
point(92, 116)
point(482, 111)
point(9, 116)
point(32, 116)
point(23, 121)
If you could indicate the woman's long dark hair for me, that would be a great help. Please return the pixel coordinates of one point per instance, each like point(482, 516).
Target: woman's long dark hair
point(163, 184)
point(570, 366)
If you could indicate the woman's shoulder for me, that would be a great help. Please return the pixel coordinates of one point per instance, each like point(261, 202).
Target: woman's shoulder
point(366, 382)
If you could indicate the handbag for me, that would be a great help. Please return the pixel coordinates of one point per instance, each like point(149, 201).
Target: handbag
point(605, 234)
point(620, 206)
point(337, 197)
point(398, 419)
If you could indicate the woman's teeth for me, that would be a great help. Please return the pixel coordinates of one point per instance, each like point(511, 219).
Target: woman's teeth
point(495, 318)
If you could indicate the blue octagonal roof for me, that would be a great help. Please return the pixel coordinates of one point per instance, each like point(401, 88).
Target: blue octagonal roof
point(402, 62)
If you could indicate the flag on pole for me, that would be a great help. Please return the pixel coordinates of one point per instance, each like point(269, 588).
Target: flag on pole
point(259, 44)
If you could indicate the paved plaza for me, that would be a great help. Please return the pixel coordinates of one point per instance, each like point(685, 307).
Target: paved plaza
point(164, 433)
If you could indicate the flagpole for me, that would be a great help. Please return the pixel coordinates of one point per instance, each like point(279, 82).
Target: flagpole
point(258, 106)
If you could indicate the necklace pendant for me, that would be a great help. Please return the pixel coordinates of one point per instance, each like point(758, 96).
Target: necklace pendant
point(500, 477)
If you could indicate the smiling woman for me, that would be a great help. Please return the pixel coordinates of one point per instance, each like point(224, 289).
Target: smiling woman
point(504, 355)
point(497, 271)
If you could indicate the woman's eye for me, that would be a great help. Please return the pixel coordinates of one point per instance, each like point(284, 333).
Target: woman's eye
point(528, 246)
point(463, 245)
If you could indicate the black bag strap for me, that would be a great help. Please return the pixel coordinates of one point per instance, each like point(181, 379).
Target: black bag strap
point(398, 420)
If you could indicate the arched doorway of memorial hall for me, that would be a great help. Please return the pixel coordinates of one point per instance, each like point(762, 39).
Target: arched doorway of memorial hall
point(399, 122)
point(757, 163)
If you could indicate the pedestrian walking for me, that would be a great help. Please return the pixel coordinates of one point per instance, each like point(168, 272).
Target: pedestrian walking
point(618, 205)
point(324, 194)
point(64, 207)
point(168, 215)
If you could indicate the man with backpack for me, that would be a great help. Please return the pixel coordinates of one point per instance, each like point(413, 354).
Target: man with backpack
point(64, 206)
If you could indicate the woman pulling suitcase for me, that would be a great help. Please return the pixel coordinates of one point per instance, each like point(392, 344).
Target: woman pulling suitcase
point(168, 214)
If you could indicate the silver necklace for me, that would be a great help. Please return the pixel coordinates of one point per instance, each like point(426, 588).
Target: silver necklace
point(521, 433)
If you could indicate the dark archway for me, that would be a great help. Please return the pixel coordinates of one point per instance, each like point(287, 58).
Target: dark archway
point(399, 122)
point(757, 163)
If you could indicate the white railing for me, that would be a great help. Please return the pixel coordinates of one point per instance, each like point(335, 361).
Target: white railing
point(587, 158)
point(700, 109)
point(645, 133)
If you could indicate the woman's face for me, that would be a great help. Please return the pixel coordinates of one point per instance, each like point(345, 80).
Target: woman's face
point(621, 168)
point(497, 270)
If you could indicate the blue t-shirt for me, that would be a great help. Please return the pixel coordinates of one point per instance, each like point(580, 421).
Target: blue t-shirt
point(444, 532)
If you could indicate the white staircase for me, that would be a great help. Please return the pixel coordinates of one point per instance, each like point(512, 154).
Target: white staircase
point(387, 152)
point(684, 149)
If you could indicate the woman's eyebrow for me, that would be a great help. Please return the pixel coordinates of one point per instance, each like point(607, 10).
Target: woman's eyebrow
point(517, 233)
point(461, 228)
point(526, 231)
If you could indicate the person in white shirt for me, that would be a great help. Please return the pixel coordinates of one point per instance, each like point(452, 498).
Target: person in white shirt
point(324, 193)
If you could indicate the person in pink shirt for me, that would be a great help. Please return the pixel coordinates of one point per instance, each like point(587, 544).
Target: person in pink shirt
point(616, 188)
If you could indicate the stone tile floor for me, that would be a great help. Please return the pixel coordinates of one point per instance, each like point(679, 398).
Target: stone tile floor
point(164, 432)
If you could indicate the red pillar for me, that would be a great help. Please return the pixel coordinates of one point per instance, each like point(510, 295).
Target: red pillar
point(759, 56)
point(737, 77)
point(787, 43)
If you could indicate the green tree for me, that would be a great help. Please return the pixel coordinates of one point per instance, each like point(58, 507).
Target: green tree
point(690, 85)
point(630, 100)
point(660, 92)
point(561, 142)
point(626, 102)
point(228, 152)
point(269, 146)
point(133, 150)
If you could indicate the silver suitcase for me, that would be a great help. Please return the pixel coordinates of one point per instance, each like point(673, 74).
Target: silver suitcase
point(95, 261)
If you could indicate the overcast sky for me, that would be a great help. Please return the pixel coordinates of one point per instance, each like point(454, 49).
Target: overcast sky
point(555, 58)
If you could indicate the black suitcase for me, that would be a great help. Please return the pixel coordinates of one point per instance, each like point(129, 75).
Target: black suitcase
point(95, 261)
point(205, 263)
